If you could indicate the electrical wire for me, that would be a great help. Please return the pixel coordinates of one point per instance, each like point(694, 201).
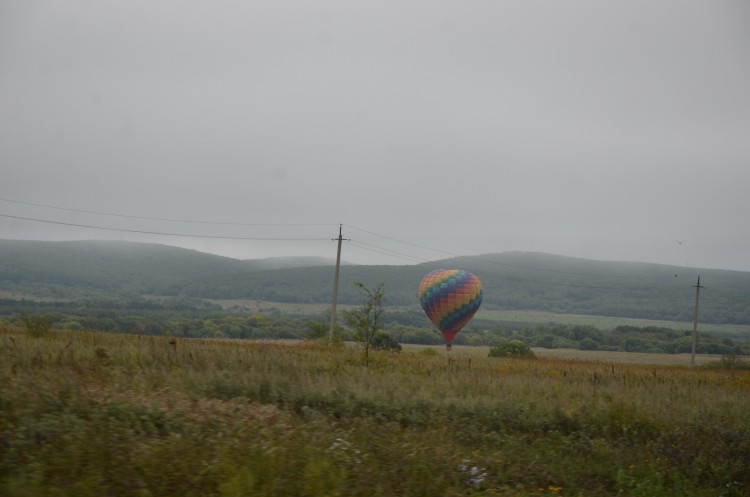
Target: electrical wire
point(160, 232)
point(388, 252)
point(508, 277)
point(402, 241)
point(148, 218)
point(499, 263)
point(362, 245)
point(356, 243)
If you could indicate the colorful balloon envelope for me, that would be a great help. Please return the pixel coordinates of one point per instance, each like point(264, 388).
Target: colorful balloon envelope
point(450, 298)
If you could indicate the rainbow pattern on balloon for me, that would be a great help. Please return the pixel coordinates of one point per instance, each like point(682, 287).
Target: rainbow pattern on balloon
point(450, 298)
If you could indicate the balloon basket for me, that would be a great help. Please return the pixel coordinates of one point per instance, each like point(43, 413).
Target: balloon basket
point(448, 347)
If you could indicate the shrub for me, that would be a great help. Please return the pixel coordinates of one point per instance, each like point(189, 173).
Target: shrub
point(563, 343)
point(384, 341)
point(315, 330)
point(546, 341)
point(588, 344)
point(73, 326)
point(37, 326)
point(512, 348)
point(729, 362)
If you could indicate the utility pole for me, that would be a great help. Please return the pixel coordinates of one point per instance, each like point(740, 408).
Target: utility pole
point(695, 321)
point(335, 287)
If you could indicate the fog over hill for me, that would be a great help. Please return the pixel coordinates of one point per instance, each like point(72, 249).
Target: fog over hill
point(605, 130)
point(511, 280)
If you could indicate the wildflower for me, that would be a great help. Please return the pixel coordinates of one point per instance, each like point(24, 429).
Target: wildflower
point(345, 448)
point(476, 475)
point(339, 443)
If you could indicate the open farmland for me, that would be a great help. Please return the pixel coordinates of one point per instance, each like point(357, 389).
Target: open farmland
point(465, 351)
point(604, 322)
point(508, 317)
point(92, 414)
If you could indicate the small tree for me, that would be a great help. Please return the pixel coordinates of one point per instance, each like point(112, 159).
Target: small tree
point(588, 344)
point(315, 330)
point(368, 319)
point(37, 326)
point(384, 341)
point(512, 348)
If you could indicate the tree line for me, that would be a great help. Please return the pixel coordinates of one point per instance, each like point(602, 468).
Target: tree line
point(405, 327)
point(513, 281)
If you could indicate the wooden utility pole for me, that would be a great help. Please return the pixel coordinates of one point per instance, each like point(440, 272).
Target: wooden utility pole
point(335, 288)
point(695, 321)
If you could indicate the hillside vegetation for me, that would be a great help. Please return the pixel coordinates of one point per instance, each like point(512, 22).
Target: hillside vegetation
point(511, 281)
point(92, 414)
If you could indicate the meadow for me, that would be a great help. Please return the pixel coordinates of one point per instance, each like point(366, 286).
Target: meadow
point(531, 318)
point(96, 414)
point(468, 351)
point(508, 317)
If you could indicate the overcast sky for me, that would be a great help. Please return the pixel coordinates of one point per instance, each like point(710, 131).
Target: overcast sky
point(599, 129)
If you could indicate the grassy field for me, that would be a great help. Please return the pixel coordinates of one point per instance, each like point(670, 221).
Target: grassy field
point(266, 306)
point(504, 316)
point(459, 351)
point(94, 414)
point(602, 322)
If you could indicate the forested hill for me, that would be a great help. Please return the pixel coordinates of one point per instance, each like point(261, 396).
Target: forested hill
point(511, 280)
point(88, 267)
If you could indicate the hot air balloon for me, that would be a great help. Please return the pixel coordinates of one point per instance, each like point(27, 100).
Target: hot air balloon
point(450, 298)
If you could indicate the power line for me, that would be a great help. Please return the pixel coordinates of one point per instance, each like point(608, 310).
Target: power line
point(160, 232)
point(388, 252)
point(373, 248)
point(149, 218)
point(513, 278)
point(490, 261)
point(402, 241)
point(404, 256)
point(359, 244)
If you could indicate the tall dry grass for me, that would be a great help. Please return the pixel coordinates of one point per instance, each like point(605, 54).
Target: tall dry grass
point(85, 413)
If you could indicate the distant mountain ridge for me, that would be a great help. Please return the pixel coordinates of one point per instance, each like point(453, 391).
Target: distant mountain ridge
point(511, 280)
point(112, 264)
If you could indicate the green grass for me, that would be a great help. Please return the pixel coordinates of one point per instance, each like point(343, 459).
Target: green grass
point(285, 307)
point(602, 322)
point(521, 318)
point(93, 414)
point(467, 351)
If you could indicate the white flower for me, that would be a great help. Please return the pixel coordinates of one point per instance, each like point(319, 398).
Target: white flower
point(477, 475)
